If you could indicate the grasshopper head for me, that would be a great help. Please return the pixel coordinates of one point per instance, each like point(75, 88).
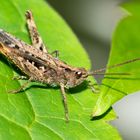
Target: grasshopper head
point(75, 76)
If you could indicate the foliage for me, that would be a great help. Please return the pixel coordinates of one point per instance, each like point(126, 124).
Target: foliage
point(125, 46)
point(38, 113)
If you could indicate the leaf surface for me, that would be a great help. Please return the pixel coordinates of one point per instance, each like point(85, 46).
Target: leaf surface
point(38, 113)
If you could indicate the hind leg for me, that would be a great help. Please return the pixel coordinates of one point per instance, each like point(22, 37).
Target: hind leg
point(35, 37)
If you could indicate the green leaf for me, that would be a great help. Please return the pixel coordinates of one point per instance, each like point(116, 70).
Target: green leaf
point(125, 46)
point(38, 113)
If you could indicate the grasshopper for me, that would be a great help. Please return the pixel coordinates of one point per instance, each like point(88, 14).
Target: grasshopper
point(39, 65)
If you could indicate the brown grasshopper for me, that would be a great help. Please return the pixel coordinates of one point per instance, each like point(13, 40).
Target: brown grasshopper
point(38, 65)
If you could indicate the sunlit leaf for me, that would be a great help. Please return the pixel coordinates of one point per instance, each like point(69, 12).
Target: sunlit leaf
point(38, 113)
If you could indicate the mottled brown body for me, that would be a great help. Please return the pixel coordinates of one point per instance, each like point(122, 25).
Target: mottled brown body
point(38, 65)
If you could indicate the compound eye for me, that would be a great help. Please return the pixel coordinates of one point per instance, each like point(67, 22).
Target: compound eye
point(78, 74)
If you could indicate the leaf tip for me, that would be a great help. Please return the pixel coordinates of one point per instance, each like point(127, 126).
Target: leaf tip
point(95, 112)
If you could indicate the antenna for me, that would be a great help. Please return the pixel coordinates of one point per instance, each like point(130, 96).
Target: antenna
point(97, 72)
